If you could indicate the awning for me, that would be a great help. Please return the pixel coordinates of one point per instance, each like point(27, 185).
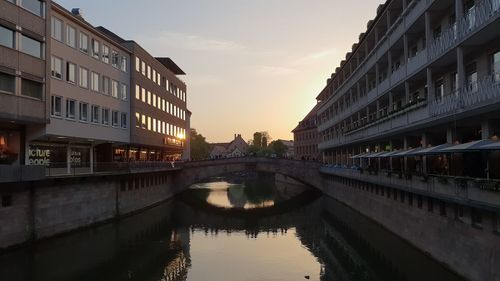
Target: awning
point(407, 152)
point(389, 154)
point(439, 149)
point(471, 146)
point(492, 146)
point(359, 155)
point(375, 155)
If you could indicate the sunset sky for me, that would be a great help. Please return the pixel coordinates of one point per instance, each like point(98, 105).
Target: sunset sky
point(252, 65)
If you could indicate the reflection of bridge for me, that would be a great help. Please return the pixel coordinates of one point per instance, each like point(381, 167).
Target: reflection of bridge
point(193, 172)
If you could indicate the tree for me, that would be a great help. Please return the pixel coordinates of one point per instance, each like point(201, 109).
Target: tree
point(200, 149)
point(278, 147)
point(257, 139)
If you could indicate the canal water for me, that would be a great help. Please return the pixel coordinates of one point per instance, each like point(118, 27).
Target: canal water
point(248, 227)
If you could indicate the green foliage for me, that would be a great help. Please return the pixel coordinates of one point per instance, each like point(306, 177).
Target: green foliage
point(278, 147)
point(200, 149)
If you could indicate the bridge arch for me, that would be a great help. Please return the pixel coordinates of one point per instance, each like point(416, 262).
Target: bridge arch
point(301, 171)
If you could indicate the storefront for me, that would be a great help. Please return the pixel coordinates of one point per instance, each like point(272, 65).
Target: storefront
point(10, 147)
point(61, 158)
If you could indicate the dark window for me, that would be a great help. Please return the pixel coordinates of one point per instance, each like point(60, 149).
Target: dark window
point(395, 194)
point(34, 6)
point(31, 46)
point(420, 201)
point(410, 199)
point(402, 196)
point(476, 217)
point(459, 211)
point(123, 185)
point(442, 208)
point(430, 204)
point(6, 37)
point(32, 89)
point(7, 83)
point(6, 201)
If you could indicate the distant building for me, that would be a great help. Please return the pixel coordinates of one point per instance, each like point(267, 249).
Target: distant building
point(236, 148)
point(290, 153)
point(305, 137)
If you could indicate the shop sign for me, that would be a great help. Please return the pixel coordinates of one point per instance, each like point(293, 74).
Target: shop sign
point(39, 156)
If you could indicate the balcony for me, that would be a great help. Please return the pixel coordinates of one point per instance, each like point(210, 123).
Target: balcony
point(443, 43)
point(383, 86)
point(482, 12)
point(416, 11)
point(483, 93)
point(398, 75)
point(416, 62)
point(475, 191)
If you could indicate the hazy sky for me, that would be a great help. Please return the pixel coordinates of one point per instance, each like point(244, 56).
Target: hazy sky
point(252, 65)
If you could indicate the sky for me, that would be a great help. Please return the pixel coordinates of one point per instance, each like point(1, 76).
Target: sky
point(252, 65)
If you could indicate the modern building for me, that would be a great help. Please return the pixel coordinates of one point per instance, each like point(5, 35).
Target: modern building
point(305, 137)
point(424, 76)
point(238, 147)
point(23, 64)
point(160, 118)
point(89, 99)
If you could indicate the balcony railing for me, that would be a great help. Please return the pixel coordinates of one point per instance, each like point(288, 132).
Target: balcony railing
point(476, 191)
point(416, 62)
point(486, 91)
point(21, 173)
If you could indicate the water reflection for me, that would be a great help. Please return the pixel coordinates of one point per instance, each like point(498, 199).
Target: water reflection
point(312, 237)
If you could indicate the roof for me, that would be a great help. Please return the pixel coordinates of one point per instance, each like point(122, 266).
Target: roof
point(170, 64)
point(309, 115)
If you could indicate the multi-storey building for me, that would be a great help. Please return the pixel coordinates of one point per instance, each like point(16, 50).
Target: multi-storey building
point(305, 137)
point(89, 103)
point(425, 73)
point(160, 118)
point(23, 64)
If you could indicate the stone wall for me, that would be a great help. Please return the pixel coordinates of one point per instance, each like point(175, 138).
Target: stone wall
point(46, 208)
point(446, 231)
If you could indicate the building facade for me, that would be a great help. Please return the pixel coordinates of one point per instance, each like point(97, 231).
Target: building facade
point(424, 74)
point(24, 45)
point(305, 137)
point(238, 147)
point(89, 104)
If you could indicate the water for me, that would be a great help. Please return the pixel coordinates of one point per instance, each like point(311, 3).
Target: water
point(237, 228)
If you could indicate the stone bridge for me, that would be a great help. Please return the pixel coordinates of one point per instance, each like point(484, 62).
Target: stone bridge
point(193, 172)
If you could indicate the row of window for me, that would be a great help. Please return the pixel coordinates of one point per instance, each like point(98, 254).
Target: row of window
point(87, 45)
point(158, 102)
point(21, 42)
point(29, 88)
point(87, 79)
point(37, 7)
point(155, 76)
point(87, 113)
point(156, 125)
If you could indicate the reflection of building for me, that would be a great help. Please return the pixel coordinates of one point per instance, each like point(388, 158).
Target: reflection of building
point(88, 98)
point(305, 137)
point(236, 148)
point(23, 33)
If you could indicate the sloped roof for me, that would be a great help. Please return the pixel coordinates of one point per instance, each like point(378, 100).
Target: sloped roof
point(309, 115)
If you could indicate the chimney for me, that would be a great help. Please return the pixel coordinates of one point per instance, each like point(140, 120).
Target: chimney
point(77, 12)
point(234, 136)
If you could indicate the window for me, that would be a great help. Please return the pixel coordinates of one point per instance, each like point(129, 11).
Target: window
point(143, 95)
point(124, 120)
point(476, 217)
point(114, 58)
point(158, 79)
point(96, 46)
point(149, 97)
point(7, 83)
point(154, 75)
point(32, 89)
point(56, 106)
point(94, 114)
point(6, 37)
point(6, 201)
point(137, 92)
point(71, 36)
point(124, 64)
point(94, 82)
point(137, 64)
point(105, 85)
point(105, 116)
point(430, 204)
point(439, 90)
point(137, 119)
point(84, 112)
point(471, 77)
point(149, 72)
point(34, 6)
point(70, 109)
point(56, 67)
point(31, 46)
point(154, 124)
point(57, 29)
point(154, 100)
point(495, 66)
point(143, 68)
point(123, 92)
point(163, 104)
point(84, 77)
point(143, 121)
point(114, 118)
point(149, 123)
point(105, 54)
point(114, 89)
point(158, 103)
point(84, 43)
point(71, 72)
